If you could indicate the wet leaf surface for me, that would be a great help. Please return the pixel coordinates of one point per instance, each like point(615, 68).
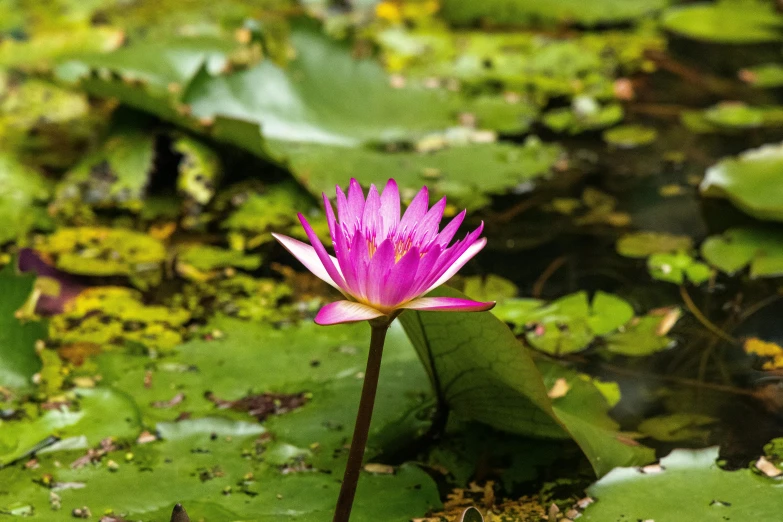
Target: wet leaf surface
point(693, 486)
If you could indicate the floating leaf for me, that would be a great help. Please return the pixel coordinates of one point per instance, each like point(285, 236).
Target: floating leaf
point(88, 416)
point(199, 169)
point(763, 76)
point(644, 244)
point(114, 315)
point(641, 336)
point(725, 21)
point(630, 136)
point(733, 117)
point(24, 189)
point(503, 388)
point(737, 248)
point(205, 258)
point(505, 12)
point(17, 339)
point(694, 487)
point(116, 174)
point(105, 252)
point(678, 427)
point(676, 268)
point(585, 114)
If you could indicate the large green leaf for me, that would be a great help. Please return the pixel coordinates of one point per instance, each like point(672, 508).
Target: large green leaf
point(90, 416)
point(321, 115)
point(18, 360)
point(726, 21)
point(751, 181)
point(531, 11)
point(24, 189)
point(219, 471)
point(737, 248)
point(482, 372)
point(690, 486)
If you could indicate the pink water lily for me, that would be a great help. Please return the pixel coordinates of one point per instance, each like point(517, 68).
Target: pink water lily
point(384, 264)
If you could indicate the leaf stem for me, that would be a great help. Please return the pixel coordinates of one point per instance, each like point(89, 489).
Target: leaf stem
point(362, 428)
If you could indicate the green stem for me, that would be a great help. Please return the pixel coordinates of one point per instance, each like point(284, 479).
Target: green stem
point(362, 429)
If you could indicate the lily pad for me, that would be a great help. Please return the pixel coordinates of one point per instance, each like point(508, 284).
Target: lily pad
point(737, 248)
point(216, 469)
point(630, 136)
point(750, 181)
point(89, 415)
point(763, 76)
point(676, 268)
point(694, 488)
point(199, 169)
point(506, 12)
point(733, 117)
point(644, 244)
point(503, 387)
point(17, 339)
point(726, 21)
point(115, 315)
point(205, 258)
point(24, 191)
point(585, 114)
point(115, 174)
point(105, 252)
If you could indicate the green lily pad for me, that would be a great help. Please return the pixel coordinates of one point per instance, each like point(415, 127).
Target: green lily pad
point(733, 117)
point(199, 169)
point(506, 12)
point(630, 136)
point(219, 470)
point(43, 48)
point(585, 114)
point(17, 339)
point(677, 427)
point(450, 171)
point(115, 174)
point(644, 244)
point(205, 257)
point(105, 252)
point(676, 268)
point(115, 315)
point(319, 136)
point(503, 387)
point(737, 248)
point(725, 21)
point(750, 181)
point(93, 415)
point(24, 191)
point(638, 338)
point(528, 62)
point(694, 488)
point(763, 76)
point(239, 296)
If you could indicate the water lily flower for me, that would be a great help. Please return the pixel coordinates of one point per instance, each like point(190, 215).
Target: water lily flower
point(384, 264)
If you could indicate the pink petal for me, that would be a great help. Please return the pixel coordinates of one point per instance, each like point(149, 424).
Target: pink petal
point(360, 260)
point(328, 261)
point(390, 208)
point(355, 208)
point(330, 219)
point(345, 312)
point(416, 210)
point(427, 228)
point(307, 256)
point(466, 256)
point(371, 219)
point(448, 304)
point(380, 265)
point(448, 232)
point(345, 261)
point(401, 278)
